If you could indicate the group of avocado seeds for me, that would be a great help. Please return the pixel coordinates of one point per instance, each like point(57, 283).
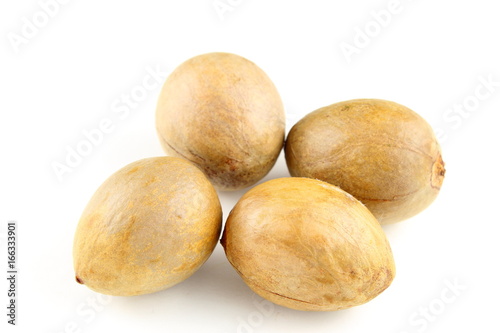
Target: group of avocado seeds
point(310, 242)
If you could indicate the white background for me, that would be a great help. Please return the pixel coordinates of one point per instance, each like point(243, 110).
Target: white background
point(66, 77)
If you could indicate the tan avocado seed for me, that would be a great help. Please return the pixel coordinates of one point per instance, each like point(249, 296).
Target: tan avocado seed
point(223, 113)
point(381, 152)
point(149, 226)
point(308, 245)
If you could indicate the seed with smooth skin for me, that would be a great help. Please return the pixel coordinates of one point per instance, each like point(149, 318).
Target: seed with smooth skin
point(381, 152)
point(222, 112)
point(149, 226)
point(308, 245)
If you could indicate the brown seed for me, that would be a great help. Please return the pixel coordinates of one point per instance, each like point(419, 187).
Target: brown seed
point(149, 226)
point(223, 113)
point(381, 152)
point(308, 245)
